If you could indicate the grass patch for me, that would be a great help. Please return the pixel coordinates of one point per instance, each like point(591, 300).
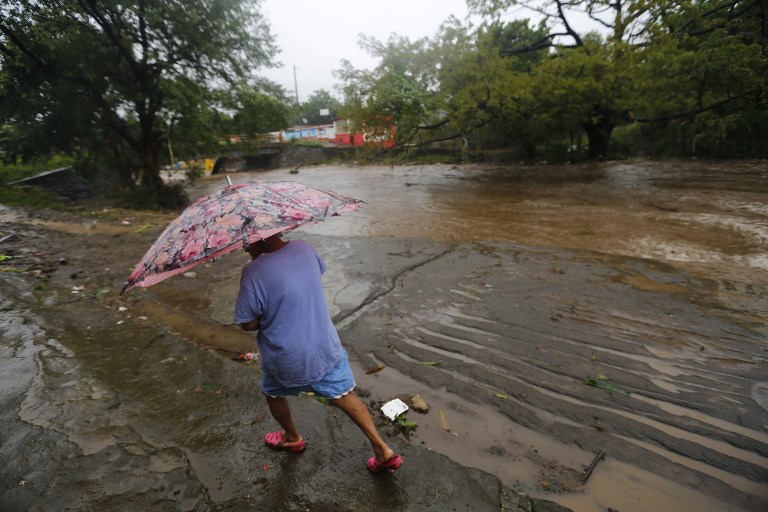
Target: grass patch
point(27, 196)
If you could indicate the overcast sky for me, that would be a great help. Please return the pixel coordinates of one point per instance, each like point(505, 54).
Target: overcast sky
point(315, 35)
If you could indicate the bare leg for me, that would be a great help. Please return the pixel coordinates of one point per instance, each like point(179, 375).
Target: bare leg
point(281, 411)
point(358, 412)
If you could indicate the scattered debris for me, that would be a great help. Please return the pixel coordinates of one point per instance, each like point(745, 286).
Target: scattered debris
point(599, 425)
point(150, 342)
point(444, 422)
point(588, 471)
point(430, 363)
point(419, 404)
point(371, 371)
point(601, 381)
point(406, 425)
point(190, 274)
point(503, 397)
point(394, 408)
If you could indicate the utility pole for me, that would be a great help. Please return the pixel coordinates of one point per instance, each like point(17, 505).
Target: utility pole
point(295, 84)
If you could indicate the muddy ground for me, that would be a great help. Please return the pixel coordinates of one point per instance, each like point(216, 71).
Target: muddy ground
point(544, 314)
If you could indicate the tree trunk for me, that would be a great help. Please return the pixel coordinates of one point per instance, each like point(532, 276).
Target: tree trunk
point(599, 136)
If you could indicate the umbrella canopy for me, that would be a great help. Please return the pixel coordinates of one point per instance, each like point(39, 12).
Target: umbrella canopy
point(230, 218)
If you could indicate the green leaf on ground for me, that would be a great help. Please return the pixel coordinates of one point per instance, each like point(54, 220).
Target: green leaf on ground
point(431, 363)
point(601, 381)
point(404, 423)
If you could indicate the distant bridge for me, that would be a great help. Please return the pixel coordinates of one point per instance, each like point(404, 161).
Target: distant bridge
point(267, 156)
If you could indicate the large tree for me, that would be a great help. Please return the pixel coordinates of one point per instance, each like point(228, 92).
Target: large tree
point(319, 101)
point(654, 61)
point(122, 72)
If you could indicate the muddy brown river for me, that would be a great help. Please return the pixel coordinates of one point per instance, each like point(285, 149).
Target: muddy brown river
point(545, 313)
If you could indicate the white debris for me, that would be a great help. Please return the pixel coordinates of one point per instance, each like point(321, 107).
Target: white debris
point(394, 408)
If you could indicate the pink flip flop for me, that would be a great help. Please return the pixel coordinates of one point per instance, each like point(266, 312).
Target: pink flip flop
point(394, 462)
point(275, 441)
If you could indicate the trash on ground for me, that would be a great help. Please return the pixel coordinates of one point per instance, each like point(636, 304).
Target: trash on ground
point(405, 424)
point(430, 363)
point(371, 371)
point(190, 274)
point(419, 405)
point(503, 397)
point(444, 422)
point(394, 408)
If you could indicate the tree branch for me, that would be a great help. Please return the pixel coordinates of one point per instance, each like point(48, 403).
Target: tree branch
point(700, 110)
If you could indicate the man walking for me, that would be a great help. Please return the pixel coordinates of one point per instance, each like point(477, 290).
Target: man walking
point(281, 296)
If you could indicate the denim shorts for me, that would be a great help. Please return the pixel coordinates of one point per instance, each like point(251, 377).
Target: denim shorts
point(334, 384)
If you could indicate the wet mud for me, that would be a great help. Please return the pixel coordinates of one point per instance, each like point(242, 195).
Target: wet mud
point(543, 313)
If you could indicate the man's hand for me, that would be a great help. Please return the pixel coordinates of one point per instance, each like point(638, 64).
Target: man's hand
point(253, 325)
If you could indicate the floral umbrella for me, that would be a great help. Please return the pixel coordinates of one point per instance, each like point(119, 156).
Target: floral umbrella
point(230, 218)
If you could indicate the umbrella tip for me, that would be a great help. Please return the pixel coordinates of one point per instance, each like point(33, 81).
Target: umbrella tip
point(229, 181)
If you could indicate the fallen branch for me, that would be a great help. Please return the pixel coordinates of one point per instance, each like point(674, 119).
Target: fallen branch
point(153, 340)
point(588, 472)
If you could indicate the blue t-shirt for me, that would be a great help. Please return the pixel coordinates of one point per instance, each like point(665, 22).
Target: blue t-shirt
point(297, 340)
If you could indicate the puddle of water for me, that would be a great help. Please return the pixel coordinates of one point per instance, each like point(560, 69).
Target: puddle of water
point(479, 436)
point(482, 438)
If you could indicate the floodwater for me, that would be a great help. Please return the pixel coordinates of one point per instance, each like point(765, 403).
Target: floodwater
point(521, 281)
point(700, 233)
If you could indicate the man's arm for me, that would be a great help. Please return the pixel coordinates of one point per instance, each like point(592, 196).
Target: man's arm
point(253, 325)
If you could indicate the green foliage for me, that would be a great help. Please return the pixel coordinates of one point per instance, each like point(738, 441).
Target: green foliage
point(28, 197)
point(259, 108)
point(601, 382)
point(669, 77)
point(406, 425)
point(15, 171)
point(114, 78)
point(310, 109)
